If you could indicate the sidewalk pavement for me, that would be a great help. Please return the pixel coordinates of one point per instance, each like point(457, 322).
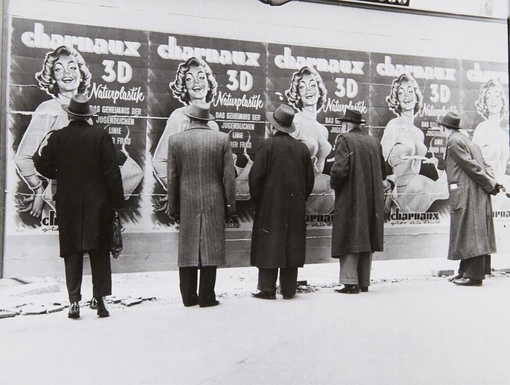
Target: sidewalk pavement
point(43, 295)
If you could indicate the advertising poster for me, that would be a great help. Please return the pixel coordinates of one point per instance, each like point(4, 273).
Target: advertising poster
point(485, 115)
point(49, 63)
point(227, 74)
point(140, 82)
point(320, 84)
point(408, 94)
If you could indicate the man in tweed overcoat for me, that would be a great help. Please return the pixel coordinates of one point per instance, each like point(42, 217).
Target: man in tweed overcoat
point(201, 192)
point(470, 181)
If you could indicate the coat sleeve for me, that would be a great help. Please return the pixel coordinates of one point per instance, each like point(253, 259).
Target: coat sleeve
point(340, 168)
point(383, 164)
point(310, 174)
point(44, 157)
point(173, 179)
point(229, 177)
point(257, 176)
point(462, 155)
point(111, 171)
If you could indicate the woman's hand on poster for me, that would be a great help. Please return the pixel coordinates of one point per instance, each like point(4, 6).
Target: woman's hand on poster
point(161, 204)
point(388, 200)
point(316, 169)
point(432, 160)
point(174, 217)
point(32, 204)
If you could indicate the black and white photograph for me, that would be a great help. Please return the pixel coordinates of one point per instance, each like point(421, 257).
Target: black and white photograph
point(222, 192)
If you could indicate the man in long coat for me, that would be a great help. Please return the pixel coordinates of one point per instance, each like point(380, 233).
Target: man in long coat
point(470, 181)
point(281, 180)
point(82, 159)
point(358, 176)
point(201, 191)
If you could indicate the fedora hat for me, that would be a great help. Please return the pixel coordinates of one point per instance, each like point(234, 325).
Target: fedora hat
point(282, 118)
point(352, 116)
point(450, 120)
point(199, 110)
point(79, 106)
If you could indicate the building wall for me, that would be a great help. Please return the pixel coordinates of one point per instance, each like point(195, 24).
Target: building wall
point(365, 50)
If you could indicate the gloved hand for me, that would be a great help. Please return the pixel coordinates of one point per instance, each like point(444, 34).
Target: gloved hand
point(497, 189)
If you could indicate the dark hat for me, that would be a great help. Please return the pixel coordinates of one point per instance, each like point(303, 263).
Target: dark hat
point(352, 116)
point(79, 106)
point(450, 120)
point(199, 110)
point(282, 118)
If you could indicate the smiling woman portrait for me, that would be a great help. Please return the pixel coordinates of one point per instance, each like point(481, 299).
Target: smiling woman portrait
point(492, 135)
point(194, 80)
point(63, 75)
point(404, 151)
point(307, 93)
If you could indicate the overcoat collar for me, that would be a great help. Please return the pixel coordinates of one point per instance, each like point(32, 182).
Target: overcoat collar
point(199, 124)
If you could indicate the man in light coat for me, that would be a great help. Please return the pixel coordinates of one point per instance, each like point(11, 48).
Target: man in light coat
point(358, 177)
point(471, 181)
point(281, 180)
point(82, 159)
point(201, 193)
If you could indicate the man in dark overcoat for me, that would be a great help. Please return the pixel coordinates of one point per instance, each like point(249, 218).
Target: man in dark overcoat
point(281, 180)
point(82, 159)
point(201, 194)
point(471, 181)
point(358, 177)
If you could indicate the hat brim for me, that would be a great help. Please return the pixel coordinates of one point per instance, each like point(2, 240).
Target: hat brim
point(278, 126)
point(450, 126)
point(92, 111)
point(209, 117)
point(362, 121)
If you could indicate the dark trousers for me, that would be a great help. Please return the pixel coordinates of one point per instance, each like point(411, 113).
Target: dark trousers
point(473, 268)
point(101, 274)
point(488, 264)
point(188, 284)
point(288, 280)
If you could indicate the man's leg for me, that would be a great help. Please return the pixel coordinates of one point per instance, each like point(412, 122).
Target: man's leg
point(206, 294)
point(475, 268)
point(288, 281)
point(364, 270)
point(188, 285)
point(267, 280)
point(74, 273)
point(100, 266)
point(349, 269)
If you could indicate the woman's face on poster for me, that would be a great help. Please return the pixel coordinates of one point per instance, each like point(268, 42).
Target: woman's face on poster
point(406, 96)
point(494, 100)
point(308, 90)
point(67, 73)
point(196, 83)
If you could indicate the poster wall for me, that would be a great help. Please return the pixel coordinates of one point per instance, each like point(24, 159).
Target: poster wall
point(140, 82)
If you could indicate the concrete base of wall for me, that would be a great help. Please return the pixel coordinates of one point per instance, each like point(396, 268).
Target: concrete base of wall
point(31, 256)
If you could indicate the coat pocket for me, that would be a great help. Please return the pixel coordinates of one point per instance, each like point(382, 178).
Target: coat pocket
point(456, 199)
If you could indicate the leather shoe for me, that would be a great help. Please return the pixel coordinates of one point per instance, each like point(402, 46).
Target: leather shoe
point(101, 308)
point(289, 296)
point(264, 294)
point(209, 304)
point(348, 289)
point(363, 289)
point(74, 310)
point(468, 282)
point(93, 304)
point(454, 277)
point(190, 301)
